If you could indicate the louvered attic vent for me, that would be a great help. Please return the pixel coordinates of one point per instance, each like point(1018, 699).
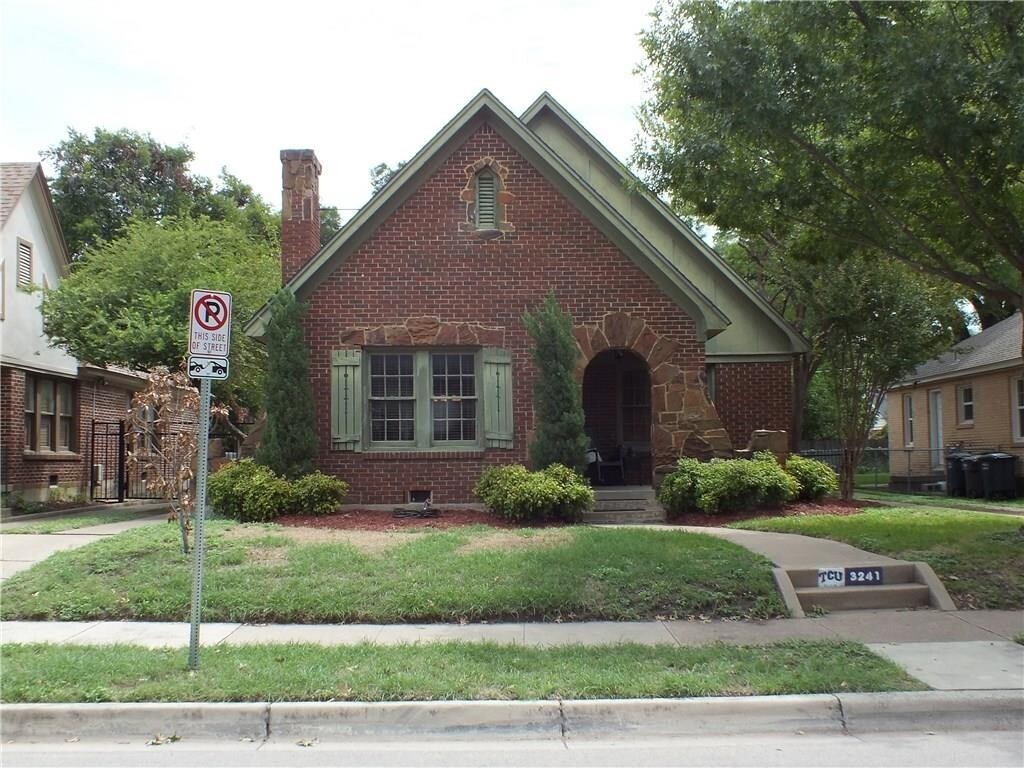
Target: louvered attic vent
point(24, 263)
point(486, 203)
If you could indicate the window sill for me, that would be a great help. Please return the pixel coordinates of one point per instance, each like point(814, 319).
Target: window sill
point(51, 456)
point(965, 425)
point(421, 455)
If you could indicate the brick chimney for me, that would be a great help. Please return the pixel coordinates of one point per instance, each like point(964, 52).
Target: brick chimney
point(300, 209)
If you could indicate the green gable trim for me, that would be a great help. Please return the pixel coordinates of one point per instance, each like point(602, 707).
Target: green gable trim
point(486, 108)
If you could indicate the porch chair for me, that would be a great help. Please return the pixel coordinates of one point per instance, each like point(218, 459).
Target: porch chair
point(611, 460)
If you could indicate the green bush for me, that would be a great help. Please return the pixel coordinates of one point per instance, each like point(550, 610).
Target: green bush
point(554, 493)
point(725, 485)
point(318, 494)
point(251, 493)
point(816, 478)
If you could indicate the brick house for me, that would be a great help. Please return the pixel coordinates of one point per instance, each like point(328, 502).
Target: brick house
point(970, 397)
point(419, 358)
point(48, 399)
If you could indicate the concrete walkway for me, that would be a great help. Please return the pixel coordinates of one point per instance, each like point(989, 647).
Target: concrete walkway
point(791, 550)
point(20, 551)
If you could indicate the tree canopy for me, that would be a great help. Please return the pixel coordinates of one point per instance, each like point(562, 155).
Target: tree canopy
point(126, 301)
point(104, 181)
point(886, 128)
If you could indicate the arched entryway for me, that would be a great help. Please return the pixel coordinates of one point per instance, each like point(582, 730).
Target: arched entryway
point(617, 407)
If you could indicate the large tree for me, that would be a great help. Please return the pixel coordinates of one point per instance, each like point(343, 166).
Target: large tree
point(126, 302)
point(878, 321)
point(892, 129)
point(104, 181)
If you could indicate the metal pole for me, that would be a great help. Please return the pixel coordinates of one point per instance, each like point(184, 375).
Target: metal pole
point(199, 547)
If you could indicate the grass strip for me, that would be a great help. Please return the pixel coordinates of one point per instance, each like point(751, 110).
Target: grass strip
point(73, 522)
point(266, 573)
point(978, 556)
point(367, 672)
point(935, 500)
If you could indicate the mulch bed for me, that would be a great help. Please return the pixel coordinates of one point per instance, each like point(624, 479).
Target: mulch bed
point(384, 520)
point(797, 509)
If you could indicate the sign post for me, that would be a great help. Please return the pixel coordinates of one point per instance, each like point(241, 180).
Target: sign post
point(209, 343)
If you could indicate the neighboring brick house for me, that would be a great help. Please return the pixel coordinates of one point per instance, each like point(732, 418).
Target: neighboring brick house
point(971, 397)
point(419, 357)
point(48, 400)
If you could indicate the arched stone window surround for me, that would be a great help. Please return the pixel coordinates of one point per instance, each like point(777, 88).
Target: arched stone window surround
point(503, 198)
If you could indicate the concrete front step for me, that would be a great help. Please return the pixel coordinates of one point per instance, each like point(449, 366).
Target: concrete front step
point(864, 598)
point(904, 585)
point(897, 573)
point(643, 515)
point(624, 492)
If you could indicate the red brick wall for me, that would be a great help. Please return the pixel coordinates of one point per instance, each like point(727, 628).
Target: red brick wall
point(753, 396)
point(419, 263)
point(24, 472)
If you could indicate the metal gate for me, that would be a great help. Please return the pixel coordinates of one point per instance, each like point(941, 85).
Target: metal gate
point(110, 478)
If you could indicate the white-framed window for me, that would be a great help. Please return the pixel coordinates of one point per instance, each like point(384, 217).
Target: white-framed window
point(1017, 408)
point(908, 420)
point(24, 263)
point(965, 403)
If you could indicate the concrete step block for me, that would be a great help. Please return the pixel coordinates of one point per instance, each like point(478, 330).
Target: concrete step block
point(618, 493)
point(864, 598)
point(898, 573)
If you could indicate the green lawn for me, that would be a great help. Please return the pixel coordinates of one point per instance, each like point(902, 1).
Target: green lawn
point(69, 673)
point(73, 522)
point(878, 479)
point(935, 500)
point(978, 556)
point(267, 573)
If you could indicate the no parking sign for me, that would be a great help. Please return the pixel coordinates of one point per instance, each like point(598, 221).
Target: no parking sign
point(209, 334)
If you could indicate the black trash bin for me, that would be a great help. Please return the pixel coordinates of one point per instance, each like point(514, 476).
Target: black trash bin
point(972, 477)
point(955, 474)
point(997, 475)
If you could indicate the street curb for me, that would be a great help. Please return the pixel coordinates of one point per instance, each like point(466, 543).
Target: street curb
point(525, 720)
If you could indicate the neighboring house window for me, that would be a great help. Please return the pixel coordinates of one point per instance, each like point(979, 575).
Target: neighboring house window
point(49, 414)
point(424, 399)
point(486, 200)
point(965, 400)
point(1017, 406)
point(24, 263)
point(908, 419)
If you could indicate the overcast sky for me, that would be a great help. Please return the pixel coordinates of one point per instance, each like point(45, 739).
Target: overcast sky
point(359, 82)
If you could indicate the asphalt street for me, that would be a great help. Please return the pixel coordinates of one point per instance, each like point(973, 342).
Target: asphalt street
point(919, 748)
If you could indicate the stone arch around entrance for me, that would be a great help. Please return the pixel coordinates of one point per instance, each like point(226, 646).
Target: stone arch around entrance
point(684, 422)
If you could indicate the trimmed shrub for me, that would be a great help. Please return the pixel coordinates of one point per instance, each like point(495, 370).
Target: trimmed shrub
point(252, 493)
point(554, 493)
point(249, 492)
point(816, 478)
point(725, 485)
point(318, 494)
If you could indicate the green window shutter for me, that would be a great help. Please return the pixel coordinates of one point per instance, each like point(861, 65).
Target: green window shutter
point(497, 390)
point(346, 400)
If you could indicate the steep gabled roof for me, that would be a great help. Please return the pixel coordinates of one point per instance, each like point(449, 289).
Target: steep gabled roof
point(485, 108)
point(15, 178)
point(994, 348)
point(664, 216)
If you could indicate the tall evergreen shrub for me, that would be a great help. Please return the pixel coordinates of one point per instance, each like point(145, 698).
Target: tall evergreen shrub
point(557, 399)
point(289, 440)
